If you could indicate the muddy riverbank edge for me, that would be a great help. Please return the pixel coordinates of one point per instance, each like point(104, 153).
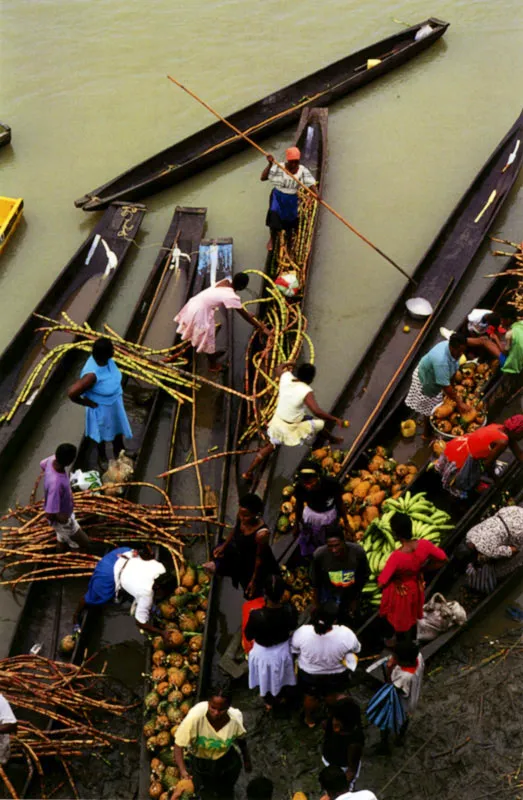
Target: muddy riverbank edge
point(465, 740)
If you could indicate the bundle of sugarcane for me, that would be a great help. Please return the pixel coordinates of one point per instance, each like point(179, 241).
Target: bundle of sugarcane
point(28, 543)
point(137, 361)
point(68, 708)
point(516, 294)
point(289, 334)
point(296, 257)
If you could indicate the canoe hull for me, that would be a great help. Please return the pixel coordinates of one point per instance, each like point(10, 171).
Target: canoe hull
point(262, 119)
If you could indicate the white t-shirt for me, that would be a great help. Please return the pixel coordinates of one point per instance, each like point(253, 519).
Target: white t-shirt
point(475, 320)
point(286, 184)
point(6, 717)
point(363, 795)
point(137, 580)
point(408, 684)
point(291, 394)
point(328, 653)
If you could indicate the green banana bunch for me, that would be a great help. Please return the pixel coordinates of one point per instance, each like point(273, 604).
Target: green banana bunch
point(428, 522)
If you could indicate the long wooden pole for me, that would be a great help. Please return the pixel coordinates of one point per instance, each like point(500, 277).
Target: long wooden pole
point(302, 185)
point(383, 396)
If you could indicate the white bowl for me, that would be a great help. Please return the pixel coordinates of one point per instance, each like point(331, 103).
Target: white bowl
point(419, 308)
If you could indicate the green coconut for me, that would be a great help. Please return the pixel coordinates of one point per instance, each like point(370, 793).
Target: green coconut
point(283, 524)
point(152, 699)
point(166, 756)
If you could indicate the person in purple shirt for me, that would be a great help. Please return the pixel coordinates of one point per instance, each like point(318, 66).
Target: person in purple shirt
point(58, 499)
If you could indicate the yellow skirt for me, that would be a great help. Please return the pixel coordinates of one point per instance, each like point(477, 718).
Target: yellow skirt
point(293, 433)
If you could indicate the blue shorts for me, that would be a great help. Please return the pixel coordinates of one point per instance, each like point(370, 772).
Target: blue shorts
point(102, 589)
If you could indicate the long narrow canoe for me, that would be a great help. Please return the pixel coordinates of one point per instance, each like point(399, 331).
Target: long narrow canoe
point(264, 117)
point(390, 356)
point(311, 139)
point(450, 582)
point(80, 290)
point(151, 323)
point(175, 439)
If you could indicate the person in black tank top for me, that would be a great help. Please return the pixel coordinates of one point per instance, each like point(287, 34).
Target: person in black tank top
point(246, 555)
point(271, 666)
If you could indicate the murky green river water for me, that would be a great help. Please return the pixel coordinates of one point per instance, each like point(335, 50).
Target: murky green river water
point(84, 88)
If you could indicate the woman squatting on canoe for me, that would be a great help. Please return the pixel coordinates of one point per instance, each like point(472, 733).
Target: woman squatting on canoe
point(298, 419)
point(466, 458)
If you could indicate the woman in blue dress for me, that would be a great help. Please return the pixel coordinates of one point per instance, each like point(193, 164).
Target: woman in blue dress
point(100, 391)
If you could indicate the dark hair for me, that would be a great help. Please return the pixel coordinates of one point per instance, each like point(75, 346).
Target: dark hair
point(458, 340)
point(348, 712)
point(252, 502)
point(240, 281)
point(103, 349)
point(401, 525)
point(406, 653)
point(323, 618)
point(334, 531)
point(306, 373)
point(65, 454)
point(492, 319)
point(222, 690)
point(309, 465)
point(166, 583)
point(260, 788)
point(274, 588)
point(507, 312)
point(333, 779)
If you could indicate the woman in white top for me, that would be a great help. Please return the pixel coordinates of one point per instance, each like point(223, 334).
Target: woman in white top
point(326, 654)
point(292, 424)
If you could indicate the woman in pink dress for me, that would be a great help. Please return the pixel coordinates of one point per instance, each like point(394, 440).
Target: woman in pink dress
point(402, 578)
point(196, 321)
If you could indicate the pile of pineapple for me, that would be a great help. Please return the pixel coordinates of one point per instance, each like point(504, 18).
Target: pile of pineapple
point(469, 383)
point(174, 676)
point(299, 590)
point(364, 491)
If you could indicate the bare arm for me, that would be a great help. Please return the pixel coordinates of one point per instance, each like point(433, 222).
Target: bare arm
point(265, 174)
point(77, 390)
point(450, 392)
point(251, 319)
point(310, 402)
point(9, 727)
point(281, 368)
point(353, 759)
point(218, 551)
point(262, 542)
point(180, 763)
point(242, 744)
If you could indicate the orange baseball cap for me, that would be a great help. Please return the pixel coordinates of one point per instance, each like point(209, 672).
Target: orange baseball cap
point(292, 154)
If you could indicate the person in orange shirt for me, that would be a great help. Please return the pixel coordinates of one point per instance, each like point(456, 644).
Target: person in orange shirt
point(466, 457)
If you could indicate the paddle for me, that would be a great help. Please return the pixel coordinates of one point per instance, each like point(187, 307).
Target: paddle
point(302, 185)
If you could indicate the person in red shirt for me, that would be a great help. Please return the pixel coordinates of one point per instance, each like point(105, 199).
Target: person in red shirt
point(402, 579)
point(466, 457)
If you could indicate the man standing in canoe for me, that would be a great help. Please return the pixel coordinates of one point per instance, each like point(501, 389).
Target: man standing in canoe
point(196, 321)
point(432, 379)
point(283, 205)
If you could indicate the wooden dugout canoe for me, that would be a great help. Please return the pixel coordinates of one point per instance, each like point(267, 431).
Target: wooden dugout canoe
point(80, 290)
point(312, 140)
point(151, 323)
point(376, 387)
point(263, 118)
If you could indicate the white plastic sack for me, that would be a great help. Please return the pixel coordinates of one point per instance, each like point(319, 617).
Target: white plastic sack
point(80, 481)
point(423, 32)
point(438, 616)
